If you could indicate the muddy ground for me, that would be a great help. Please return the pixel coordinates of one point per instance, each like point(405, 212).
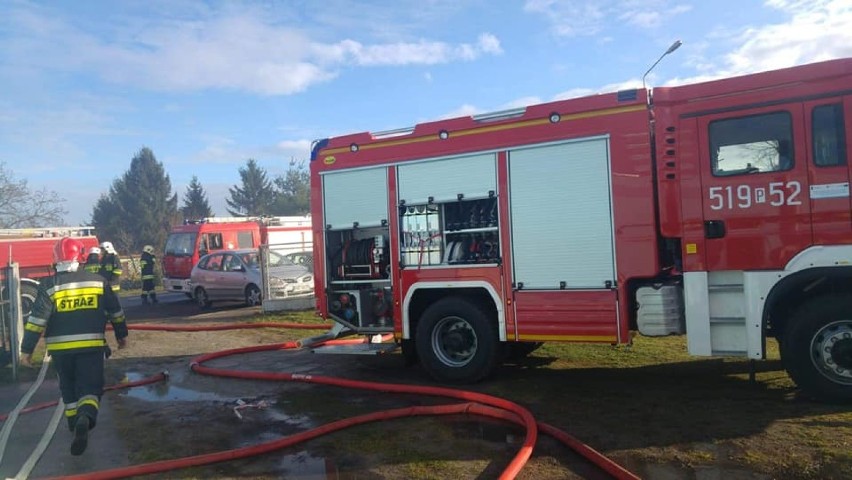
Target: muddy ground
point(653, 409)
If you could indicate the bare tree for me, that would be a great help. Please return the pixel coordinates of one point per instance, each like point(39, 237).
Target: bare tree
point(21, 207)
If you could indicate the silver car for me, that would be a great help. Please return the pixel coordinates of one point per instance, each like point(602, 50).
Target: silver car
point(236, 275)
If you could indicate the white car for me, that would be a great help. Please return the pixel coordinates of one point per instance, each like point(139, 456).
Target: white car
point(236, 275)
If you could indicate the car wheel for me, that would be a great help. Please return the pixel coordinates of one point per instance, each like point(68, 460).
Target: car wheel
point(201, 298)
point(456, 342)
point(253, 297)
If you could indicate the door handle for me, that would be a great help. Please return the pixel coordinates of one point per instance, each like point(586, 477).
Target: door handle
point(714, 228)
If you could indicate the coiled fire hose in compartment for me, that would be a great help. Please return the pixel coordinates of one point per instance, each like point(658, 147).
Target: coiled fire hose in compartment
point(472, 403)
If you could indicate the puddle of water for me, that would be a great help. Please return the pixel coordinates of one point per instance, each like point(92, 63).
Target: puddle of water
point(165, 392)
point(305, 466)
point(302, 421)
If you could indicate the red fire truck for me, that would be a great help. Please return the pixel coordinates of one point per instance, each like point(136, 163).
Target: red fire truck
point(32, 250)
point(719, 209)
point(188, 242)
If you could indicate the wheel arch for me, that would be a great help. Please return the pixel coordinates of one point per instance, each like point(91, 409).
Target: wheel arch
point(481, 294)
point(793, 290)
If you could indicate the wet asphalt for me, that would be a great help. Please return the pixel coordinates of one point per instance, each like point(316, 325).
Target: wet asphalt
point(105, 449)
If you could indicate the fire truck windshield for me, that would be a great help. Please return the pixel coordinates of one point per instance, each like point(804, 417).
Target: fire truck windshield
point(180, 244)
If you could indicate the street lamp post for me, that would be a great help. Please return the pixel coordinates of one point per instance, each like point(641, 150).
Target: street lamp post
point(672, 48)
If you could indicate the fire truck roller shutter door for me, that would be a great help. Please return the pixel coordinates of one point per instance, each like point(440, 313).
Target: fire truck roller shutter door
point(574, 179)
point(358, 196)
point(473, 176)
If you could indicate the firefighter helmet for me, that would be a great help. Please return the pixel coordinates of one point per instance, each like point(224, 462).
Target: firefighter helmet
point(68, 253)
point(95, 251)
point(108, 248)
point(148, 249)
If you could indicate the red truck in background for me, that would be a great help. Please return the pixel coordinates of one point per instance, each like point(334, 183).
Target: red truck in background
point(32, 249)
point(195, 238)
point(719, 209)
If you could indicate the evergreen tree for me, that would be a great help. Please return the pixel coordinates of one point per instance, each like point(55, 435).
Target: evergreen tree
point(140, 207)
point(195, 204)
point(257, 195)
point(293, 195)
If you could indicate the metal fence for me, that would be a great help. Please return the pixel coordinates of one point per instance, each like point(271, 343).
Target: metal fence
point(287, 271)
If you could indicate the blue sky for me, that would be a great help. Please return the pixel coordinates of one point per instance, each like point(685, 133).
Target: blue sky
point(207, 85)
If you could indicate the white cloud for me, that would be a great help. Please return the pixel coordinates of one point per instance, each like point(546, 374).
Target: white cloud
point(417, 53)
point(298, 150)
point(463, 111)
point(612, 87)
point(468, 110)
point(574, 18)
point(488, 43)
point(237, 50)
point(817, 30)
point(223, 150)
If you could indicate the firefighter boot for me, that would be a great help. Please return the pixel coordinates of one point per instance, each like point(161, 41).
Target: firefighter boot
point(81, 436)
point(154, 297)
point(144, 299)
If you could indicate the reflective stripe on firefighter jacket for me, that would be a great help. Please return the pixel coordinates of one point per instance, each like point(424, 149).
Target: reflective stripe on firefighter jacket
point(93, 263)
point(72, 309)
point(111, 270)
point(147, 264)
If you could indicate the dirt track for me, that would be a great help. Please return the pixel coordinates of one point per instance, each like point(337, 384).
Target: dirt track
point(692, 419)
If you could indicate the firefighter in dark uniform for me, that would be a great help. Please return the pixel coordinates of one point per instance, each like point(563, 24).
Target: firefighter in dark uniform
point(110, 266)
point(72, 309)
point(147, 261)
point(93, 261)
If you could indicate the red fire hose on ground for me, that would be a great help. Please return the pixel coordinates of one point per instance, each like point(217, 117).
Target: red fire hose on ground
point(473, 403)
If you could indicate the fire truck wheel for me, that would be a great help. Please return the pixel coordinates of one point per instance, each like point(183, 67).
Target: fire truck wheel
point(253, 298)
point(817, 348)
point(201, 298)
point(457, 342)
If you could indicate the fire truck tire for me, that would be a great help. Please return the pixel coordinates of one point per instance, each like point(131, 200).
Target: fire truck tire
point(202, 299)
point(457, 342)
point(816, 349)
point(253, 297)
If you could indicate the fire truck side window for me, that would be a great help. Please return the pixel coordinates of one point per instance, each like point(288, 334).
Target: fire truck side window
point(213, 241)
point(245, 240)
point(829, 141)
point(753, 144)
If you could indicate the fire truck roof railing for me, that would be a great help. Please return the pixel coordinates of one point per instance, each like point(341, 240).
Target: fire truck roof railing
point(268, 220)
point(47, 232)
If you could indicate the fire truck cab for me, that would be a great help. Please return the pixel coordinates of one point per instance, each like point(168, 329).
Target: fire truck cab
point(720, 210)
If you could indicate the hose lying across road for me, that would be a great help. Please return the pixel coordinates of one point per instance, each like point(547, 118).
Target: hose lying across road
point(473, 403)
